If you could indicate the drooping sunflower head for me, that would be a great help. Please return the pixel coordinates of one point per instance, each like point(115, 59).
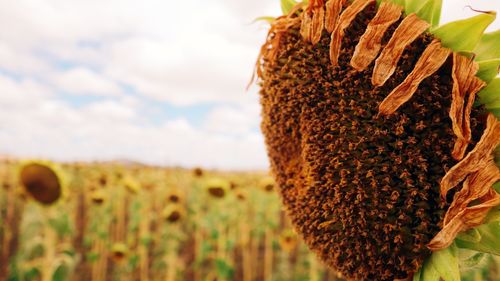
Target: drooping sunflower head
point(288, 240)
point(198, 172)
point(98, 196)
point(267, 184)
point(380, 127)
point(131, 185)
point(119, 252)
point(173, 213)
point(217, 188)
point(41, 181)
point(175, 196)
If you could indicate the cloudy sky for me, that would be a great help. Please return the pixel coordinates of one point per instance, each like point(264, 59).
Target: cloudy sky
point(157, 81)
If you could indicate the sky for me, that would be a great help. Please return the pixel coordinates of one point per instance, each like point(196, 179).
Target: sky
point(156, 81)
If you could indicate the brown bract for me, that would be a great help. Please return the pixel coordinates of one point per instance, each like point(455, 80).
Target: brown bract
point(477, 159)
point(371, 42)
point(347, 16)
point(430, 61)
point(465, 83)
point(410, 28)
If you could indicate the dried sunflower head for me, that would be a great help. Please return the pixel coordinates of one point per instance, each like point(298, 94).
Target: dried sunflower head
point(131, 185)
point(217, 188)
point(98, 196)
point(119, 252)
point(381, 130)
point(175, 196)
point(267, 184)
point(42, 181)
point(198, 172)
point(173, 213)
point(288, 240)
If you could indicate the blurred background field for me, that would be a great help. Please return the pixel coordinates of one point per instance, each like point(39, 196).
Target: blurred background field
point(131, 222)
point(124, 221)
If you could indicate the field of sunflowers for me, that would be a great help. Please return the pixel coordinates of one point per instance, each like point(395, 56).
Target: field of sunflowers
point(123, 221)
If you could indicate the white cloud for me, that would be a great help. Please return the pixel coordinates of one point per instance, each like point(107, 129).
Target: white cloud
point(82, 81)
point(238, 120)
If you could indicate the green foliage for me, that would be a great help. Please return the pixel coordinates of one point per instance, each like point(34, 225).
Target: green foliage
point(287, 5)
point(488, 47)
point(464, 35)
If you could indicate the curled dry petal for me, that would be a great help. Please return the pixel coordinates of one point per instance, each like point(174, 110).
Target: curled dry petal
point(468, 218)
point(475, 186)
point(409, 29)
point(305, 27)
point(371, 42)
point(465, 83)
point(344, 21)
point(431, 60)
point(317, 24)
point(333, 8)
point(477, 159)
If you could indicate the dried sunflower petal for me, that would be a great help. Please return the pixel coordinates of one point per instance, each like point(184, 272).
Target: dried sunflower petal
point(371, 42)
point(477, 159)
point(409, 29)
point(466, 219)
point(431, 60)
point(333, 8)
point(464, 83)
point(475, 186)
point(344, 21)
point(317, 24)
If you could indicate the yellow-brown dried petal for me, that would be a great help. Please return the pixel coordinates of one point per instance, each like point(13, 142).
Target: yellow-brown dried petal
point(466, 219)
point(431, 60)
point(464, 83)
point(344, 21)
point(475, 186)
point(317, 24)
point(477, 159)
point(409, 29)
point(333, 8)
point(371, 42)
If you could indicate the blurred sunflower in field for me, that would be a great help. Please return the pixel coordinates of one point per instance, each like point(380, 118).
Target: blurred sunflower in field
point(42, 181)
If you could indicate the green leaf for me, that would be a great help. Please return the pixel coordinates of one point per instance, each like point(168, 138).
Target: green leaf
point(473, 261)
point(61, 273)
point(401, 3)
point(493, 215)
point(412, 6)
point(287, 5)
point(429, 272)
point(266, 19)
point(416, 276)
point(471, 235)
point(490, 240)
point(464, 35)
point(490, 93)
point(224, 269)
point(431, 12)
point(488, 48)
point(488, 69)
point(445, 263)
point(496, 112)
